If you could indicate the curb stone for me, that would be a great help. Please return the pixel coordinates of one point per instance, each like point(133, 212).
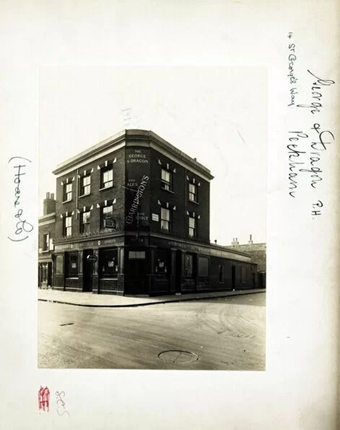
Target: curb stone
point(134, 305)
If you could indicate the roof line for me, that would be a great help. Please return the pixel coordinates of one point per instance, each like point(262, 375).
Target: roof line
point(127, 135)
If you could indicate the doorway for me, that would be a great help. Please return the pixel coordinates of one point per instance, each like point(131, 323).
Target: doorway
point(49, 274)
point(135, 272)
point(233, 277)
point(87, 271)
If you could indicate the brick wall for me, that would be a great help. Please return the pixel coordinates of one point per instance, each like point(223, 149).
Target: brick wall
point(178, 197)
point(96, 196)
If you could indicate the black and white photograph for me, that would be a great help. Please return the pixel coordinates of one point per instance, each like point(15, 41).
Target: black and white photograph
point(152, 227)
point(170, 215)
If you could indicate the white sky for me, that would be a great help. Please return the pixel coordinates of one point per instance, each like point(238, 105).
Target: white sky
point(218, 115)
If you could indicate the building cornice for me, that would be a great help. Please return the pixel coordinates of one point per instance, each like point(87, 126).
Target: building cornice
point(47, 219)
point(91, 154)
point(127, 138)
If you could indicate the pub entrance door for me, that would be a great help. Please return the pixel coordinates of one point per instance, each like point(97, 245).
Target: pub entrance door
point(87, 271)
point(135, 272)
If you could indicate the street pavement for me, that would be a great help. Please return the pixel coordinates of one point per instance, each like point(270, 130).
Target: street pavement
point(209, 334)
point(111, 300)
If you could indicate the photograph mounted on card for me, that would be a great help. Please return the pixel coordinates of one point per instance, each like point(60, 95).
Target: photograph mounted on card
point(152, 227)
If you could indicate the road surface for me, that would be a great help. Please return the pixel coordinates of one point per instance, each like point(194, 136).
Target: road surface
point(217, 334)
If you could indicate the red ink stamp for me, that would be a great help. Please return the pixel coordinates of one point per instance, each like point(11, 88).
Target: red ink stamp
point(44, 399)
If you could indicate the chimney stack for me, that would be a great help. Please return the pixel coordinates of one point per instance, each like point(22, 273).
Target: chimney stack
point(250, 242)
point(235, 241)
point(49, 204)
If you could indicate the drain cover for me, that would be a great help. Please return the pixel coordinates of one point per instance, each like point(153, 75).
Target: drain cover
point(66, 324)
point(178, 356)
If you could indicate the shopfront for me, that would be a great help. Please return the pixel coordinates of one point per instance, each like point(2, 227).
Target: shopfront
point(149, 266)
point(45, 274)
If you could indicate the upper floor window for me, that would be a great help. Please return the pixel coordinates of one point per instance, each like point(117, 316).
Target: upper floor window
point(192, 227)
point(85, 222)
point(106, 217)
point(166, 180)
point(46, 243)
point(67, 226)
point(85, 185)
point(67, 192)
point(192, 192)
point(106, 177)
point(165, 219)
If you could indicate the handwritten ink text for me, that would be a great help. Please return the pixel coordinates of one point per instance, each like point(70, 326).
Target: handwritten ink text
point(22, 227)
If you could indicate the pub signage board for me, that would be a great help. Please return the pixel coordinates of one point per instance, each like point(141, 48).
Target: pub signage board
point(137, 189)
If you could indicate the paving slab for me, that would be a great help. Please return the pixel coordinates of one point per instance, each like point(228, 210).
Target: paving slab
point(116, 301)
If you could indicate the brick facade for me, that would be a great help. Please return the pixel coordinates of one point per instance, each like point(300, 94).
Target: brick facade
point(146, 228)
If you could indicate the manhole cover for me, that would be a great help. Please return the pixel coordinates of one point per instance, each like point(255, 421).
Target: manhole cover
point(178, 356)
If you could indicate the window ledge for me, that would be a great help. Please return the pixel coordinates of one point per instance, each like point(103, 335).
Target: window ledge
point(67, 201)
point(84, 195)
point(193, 201)
point(105, 188)
point(168, 191)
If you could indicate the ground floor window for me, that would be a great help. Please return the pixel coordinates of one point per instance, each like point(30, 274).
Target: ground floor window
point(43, 272)
point(220, 272)
point(59, 265)
point(203, 266)
point(189, 265)
point(71, 264)
point(108, 262)
point(243, 274)
point(162, 263)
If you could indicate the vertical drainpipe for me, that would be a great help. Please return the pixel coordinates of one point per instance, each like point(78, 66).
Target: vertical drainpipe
point(80, 254)
point(77, 183)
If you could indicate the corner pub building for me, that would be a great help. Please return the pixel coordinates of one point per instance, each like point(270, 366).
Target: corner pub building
point(132, 217)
